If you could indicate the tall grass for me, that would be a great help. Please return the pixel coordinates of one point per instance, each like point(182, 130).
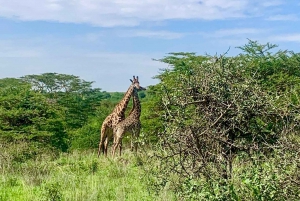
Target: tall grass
point(29, 172)
point(71, 176)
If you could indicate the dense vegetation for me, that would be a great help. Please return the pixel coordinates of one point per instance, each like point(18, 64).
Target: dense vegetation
point(214, 128)
point(231, 125)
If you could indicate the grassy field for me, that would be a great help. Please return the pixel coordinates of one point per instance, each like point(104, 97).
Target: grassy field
point(29, 173)
point(74, 176)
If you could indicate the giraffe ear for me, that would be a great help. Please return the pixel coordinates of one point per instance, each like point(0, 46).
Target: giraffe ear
point(131, 80)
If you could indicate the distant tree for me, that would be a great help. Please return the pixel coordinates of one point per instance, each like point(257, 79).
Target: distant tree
point(106, 95)
point(54, 82)
point(27, 115)
point(77, 96)
point(116, 96)
point(88, 136)
point(11, 83)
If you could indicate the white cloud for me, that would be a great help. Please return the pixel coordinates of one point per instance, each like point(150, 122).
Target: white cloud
point(289, 17)
point(287, 38)
point(15, 49)
point(272, 3)
point(91, 37)
point(152, 34)
point(163, 34)
point(18, 53)
point(124, 13)
point(237, 32)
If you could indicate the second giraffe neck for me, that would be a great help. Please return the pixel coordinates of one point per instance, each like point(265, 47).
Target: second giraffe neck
point(136, 103)
point(121, 107)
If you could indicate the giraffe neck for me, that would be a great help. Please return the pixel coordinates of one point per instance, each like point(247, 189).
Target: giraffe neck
point(136, 104)
point(121, 107)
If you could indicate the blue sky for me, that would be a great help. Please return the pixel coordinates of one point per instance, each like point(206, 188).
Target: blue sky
point(108, 41)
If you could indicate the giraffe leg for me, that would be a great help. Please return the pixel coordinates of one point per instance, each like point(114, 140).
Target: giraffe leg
point(136, 134)
point(106, 146)
point(114, 142)
point(132, 141)
point(115, 146)
point(102, 137)
point(117, 141)
point(120, 147)
point(108, 138)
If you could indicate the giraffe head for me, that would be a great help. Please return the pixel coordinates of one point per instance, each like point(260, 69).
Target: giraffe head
point(136, 84)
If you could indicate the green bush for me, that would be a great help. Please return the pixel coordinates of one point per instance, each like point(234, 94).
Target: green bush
point(216, 109)
point(27, 115)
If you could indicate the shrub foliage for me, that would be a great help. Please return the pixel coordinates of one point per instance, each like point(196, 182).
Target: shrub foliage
point(220, 111)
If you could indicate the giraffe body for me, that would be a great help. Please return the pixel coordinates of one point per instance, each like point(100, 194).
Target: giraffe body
point(131, 124)
point(115, 117)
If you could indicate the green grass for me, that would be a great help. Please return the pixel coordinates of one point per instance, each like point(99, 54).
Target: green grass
point(29, 172)
point(75, 176)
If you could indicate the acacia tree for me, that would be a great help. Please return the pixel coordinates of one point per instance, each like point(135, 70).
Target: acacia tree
point(219, 108)
point(55, 82)
point(77, 96)
point(27, 115)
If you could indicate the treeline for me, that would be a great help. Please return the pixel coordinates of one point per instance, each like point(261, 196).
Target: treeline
point(53, 110)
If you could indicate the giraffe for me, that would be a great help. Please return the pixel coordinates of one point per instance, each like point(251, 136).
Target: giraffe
point(131, 124)
point(116, 116)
